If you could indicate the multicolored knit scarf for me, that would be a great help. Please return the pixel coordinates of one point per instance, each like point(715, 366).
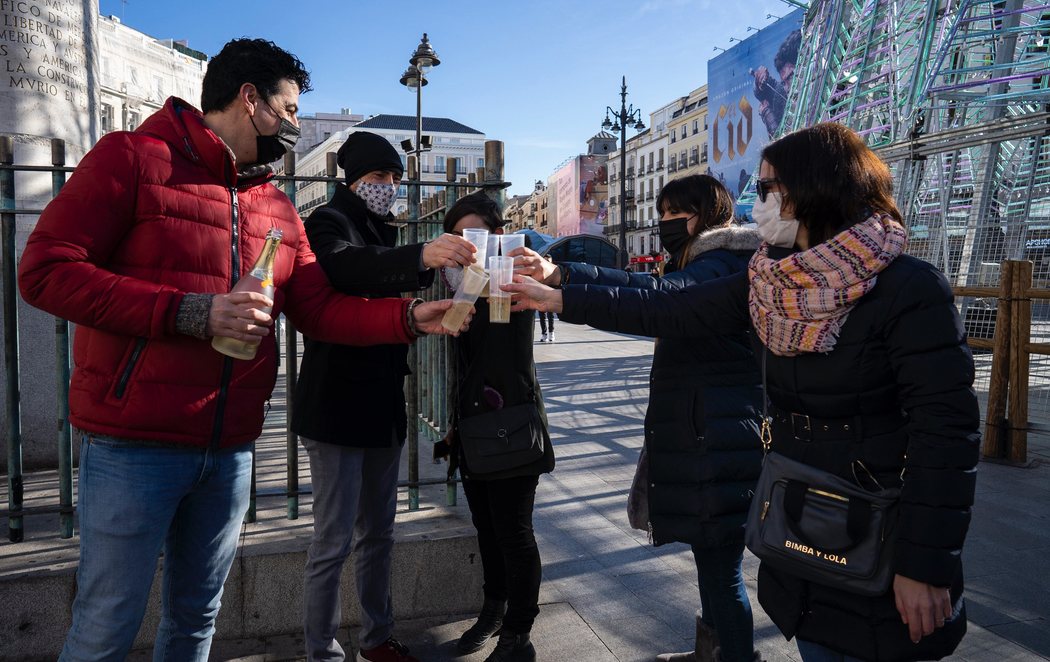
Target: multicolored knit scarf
point(799, 304)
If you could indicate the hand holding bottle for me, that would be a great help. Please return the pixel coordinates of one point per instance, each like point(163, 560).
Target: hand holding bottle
point(240, 315)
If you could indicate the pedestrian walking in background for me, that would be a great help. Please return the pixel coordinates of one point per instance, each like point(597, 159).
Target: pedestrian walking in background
point(495, 371)
point(350, 402)
point(547, 319)
point(140, 250)
point(702, 450)
point(869, 379)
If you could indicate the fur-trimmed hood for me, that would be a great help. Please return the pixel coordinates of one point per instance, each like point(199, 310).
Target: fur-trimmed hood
point(731, 238)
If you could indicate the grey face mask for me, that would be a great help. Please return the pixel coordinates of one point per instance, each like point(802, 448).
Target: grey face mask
point(270, 148)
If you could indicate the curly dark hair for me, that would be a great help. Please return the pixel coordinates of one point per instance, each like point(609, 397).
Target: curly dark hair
point(262, 63)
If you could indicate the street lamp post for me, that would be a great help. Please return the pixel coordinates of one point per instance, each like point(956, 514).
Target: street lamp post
point(415, 78)
point(627, 114)
point(422, 60)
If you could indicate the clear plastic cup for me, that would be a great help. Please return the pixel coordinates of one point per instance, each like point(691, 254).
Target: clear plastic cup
point(509, 242)
point(493, 247)
point(501, 272)
point(480, 238)
point(474, 281)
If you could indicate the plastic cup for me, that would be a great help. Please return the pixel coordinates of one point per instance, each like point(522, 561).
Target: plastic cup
point(474, 281)
point(501, 272)
point(480, 239)
point(493, 247)
point(509, 242)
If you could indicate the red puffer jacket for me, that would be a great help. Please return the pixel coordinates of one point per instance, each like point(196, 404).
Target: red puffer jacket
point(146, 218)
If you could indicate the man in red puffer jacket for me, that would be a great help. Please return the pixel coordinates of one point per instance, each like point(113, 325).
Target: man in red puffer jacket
point(140, 249)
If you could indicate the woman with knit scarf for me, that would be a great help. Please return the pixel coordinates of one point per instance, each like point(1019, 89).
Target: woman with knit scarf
point(865, 364)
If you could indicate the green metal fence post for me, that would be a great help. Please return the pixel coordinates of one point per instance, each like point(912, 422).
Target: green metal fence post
point(15, 530)
point(447, 343)
point(65, 433)
point(411, 387)
point(291, 370)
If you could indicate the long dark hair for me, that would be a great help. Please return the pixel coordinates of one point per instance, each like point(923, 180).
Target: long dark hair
point(702, 195)
point(475, 203)
point(832, 178)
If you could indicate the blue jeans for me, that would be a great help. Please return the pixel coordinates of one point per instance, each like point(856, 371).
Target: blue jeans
point(134, 501)
point(812, 652)
point(723, 599)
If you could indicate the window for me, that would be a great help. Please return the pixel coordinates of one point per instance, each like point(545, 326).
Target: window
point(461, 166)
point(685, 131)
point(133, 120)
point(328, 134)
point(158, 87)
point(439, 165)
point(694, 155)
point(106, 116)
point(481, 161)
point(674, 136)
point(696, 127)
point(703, 154)
point(681, 160)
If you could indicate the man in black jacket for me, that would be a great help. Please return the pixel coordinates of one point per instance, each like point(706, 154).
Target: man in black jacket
point(350, 404)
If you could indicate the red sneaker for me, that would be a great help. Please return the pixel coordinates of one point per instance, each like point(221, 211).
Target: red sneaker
point(390, 650)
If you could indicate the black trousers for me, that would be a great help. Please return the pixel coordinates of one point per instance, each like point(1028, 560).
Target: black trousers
point(510, 560)
point(546, 322)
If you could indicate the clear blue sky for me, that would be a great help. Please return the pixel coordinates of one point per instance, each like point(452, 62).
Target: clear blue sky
point(535, 74)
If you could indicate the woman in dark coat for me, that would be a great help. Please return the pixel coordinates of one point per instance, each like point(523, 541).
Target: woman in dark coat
point(866, 361)
point(701, 427)
point(495, 369)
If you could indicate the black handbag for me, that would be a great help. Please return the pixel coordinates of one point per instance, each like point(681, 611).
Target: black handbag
point(502, 439)
point(820, 527)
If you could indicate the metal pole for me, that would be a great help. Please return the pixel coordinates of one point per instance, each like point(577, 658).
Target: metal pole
point(624, 255)
point(15, 532)
point(291, 369)
point(411, 380)
point(65, 433)
point(331, 170)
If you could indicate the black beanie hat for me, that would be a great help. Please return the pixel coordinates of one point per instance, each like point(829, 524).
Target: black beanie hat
point(364, 152)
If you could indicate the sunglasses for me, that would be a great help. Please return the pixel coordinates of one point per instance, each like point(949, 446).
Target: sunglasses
point(762, 187)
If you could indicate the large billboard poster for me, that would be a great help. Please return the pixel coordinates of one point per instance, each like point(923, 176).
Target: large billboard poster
point(594, 194)
point(564, 212)
point(748, 87)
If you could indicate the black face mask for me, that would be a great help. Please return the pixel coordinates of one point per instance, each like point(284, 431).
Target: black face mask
point(674, 234)
point(271, 148)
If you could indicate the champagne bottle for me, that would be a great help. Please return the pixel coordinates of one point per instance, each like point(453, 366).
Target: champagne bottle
point(259, 279)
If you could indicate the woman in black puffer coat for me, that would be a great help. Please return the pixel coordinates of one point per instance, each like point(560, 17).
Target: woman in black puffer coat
point(866, 362)
point(701, 427)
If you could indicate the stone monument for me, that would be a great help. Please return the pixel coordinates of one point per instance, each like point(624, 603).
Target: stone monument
point(49, 89)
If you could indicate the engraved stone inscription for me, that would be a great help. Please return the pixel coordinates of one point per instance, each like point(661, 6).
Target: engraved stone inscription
point(41, 50)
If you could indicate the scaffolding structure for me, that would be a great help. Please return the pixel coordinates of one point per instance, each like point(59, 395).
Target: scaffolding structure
point(955, 96)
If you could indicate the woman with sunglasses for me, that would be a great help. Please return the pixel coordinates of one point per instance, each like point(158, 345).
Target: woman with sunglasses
point(701, 431)
point(865, 361)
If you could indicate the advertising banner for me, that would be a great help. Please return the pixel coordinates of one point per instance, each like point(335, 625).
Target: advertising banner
point(748, 87)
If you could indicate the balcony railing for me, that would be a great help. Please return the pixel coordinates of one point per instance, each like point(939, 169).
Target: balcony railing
point(672, 167)
point(649, 195)
point(659, 165)
point(628, 194)
point(693, 160)
point(650, 168)
point(630, 171)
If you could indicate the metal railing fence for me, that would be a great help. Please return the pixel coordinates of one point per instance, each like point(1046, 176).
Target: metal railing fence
point(427, 387)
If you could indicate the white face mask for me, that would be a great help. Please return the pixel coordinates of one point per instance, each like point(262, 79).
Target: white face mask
point(773, 229)
point(378, 197)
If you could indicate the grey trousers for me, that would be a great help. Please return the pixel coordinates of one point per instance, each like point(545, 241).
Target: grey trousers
point(355, 497)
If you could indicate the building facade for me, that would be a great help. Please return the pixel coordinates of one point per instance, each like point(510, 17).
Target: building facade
point(138, 73)
point(316, 128)
point(449, 139)
point(687, 136)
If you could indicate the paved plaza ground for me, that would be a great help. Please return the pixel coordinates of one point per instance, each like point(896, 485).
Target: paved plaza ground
point(609, 595)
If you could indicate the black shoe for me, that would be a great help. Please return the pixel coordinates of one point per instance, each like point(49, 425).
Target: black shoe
point(488, 625)
point(513, 647)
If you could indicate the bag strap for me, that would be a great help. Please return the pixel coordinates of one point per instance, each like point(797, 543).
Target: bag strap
point(858, 517)
point(766, 428)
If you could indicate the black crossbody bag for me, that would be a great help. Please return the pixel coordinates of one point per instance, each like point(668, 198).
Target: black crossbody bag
point(503, 439)
point(818, 526)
